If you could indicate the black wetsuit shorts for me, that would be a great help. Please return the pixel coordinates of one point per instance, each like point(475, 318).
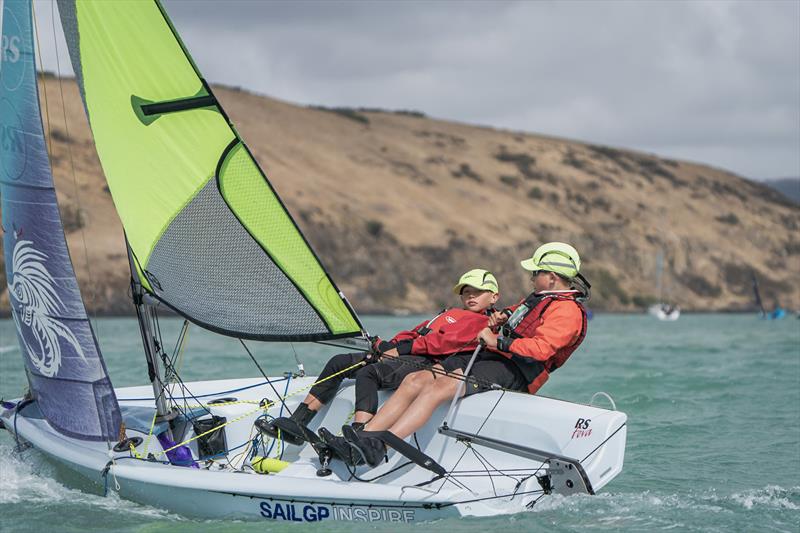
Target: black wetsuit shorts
point(386, 374)
point(489, 368)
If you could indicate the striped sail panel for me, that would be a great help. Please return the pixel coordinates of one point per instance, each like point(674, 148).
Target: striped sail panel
point(209, 235)
point(65, 370)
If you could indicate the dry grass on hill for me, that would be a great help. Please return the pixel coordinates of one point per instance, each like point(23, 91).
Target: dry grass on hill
point(398, 205)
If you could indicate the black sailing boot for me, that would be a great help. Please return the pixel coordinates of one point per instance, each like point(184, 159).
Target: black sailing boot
point(292, 429)
point(340, 447)
point(372, 449)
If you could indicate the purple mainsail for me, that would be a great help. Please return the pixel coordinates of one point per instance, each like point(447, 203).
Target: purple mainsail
point(66, 372)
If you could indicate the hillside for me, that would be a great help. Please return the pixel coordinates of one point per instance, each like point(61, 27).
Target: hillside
point(398, 205)
point(789, 187)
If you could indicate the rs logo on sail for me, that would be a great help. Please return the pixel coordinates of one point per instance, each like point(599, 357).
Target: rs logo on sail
point(10, 48)
point(34, 302)
point(11, 139)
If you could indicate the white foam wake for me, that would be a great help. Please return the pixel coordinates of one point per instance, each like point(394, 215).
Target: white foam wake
point(28, 477)
point(770, 497)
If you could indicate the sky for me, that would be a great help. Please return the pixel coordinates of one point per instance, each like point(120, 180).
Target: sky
point(716, 82)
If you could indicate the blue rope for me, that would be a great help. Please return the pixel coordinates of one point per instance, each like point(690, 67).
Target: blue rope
point(209, 394)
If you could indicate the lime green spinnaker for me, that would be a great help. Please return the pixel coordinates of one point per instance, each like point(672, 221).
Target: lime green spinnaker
point(208, 233)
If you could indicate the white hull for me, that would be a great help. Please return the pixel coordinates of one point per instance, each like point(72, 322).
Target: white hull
point(298, 494)
point(664, 313)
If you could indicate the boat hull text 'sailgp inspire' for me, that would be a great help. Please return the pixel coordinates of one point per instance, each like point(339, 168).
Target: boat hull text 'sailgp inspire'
point(208, 237)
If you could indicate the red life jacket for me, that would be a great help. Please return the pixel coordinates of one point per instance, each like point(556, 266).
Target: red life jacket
point(537, 372)
point(451, 331)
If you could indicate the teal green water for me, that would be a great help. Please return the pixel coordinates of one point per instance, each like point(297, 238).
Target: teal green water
point(713, 431)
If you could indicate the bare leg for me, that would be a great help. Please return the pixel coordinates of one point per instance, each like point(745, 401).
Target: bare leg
point(420, 410)
point(396, 405)
point(313, 403)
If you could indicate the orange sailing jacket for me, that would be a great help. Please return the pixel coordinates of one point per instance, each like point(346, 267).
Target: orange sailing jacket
point(546, 337)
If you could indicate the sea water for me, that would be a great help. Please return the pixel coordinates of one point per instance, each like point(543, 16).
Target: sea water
point(713, 404)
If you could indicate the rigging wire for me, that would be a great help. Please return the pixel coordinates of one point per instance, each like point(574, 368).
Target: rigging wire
point(44, 87)
point(169, 368)
point(463, 453)
point(283, 402)
point(179, 347)
point(301, 369)
point(76, 193)
point(480, 460)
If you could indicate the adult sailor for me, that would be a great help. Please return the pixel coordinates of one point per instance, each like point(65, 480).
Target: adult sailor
point(450, 332)
point(537, 336)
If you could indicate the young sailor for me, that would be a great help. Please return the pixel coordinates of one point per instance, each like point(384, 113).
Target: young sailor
point(450, 332)
point(537, 336)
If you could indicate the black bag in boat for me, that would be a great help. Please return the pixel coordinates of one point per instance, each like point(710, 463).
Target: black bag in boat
point(213, 443)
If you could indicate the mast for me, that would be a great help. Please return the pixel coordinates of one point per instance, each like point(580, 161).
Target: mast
point(145, 313)
point(659, 274)
point(759, 302)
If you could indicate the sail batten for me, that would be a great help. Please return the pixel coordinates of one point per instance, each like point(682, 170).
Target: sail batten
point(66, 373)
point(208, 232)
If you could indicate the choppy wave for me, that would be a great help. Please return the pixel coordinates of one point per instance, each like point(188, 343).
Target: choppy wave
point(703, 396)
point(701, 509)
point(770, 497)
point(27, 477)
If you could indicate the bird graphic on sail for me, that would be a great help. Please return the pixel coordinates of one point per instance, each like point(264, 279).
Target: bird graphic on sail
point(35, 305)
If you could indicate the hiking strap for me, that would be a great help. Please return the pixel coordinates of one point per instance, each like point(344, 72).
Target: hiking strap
point(407, 450)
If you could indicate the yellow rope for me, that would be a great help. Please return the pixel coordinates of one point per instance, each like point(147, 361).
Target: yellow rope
point(348, 369)
point(265, 406)
point(147, 441)
point(217, 404)
point(187, 441)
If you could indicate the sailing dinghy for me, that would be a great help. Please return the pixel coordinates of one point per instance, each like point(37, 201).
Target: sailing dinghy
point(662, 310)
point(208, 238)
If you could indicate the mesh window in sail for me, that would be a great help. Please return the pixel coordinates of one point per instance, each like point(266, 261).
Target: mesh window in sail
point(209, 268)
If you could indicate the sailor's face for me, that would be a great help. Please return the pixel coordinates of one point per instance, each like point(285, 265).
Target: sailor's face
point(477, 300)
point(543, 280)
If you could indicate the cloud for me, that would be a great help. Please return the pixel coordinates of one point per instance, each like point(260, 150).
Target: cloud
point(712, 81)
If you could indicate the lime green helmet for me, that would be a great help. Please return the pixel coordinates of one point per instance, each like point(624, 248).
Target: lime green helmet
point(557, 257)
point(480, 279)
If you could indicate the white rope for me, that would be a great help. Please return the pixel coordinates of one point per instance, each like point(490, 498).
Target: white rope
point(607, 396)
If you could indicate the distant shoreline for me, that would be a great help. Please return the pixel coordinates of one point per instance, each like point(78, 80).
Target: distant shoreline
point(170, 314)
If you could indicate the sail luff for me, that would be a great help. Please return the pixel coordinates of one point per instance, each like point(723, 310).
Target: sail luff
point(65, 370)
